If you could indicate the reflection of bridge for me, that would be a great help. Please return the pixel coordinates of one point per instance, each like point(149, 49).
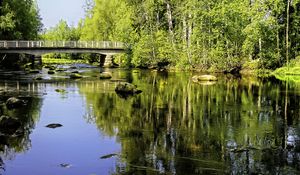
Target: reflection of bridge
point(38, 48)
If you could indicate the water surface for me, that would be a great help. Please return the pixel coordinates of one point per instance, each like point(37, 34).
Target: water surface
point(238, 125)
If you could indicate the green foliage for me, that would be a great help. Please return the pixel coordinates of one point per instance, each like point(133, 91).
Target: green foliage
point(61, 61)
point(19, 19)
point(153, 50)
point(62, 32)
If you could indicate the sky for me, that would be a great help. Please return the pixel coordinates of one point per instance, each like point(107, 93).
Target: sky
point(52, 11)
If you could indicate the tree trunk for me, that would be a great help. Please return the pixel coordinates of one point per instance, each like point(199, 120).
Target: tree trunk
point(190, 30)
point(170, 19)
point(287, 30)
point(260, 48)
point(189, 37)
point(278, 45)
point(184, 29)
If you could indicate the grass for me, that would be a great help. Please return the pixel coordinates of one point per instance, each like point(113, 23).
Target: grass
point(290, 72)
point(61, 61)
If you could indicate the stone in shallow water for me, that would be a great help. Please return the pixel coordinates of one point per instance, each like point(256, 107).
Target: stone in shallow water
point(198, 78)
point(54, 125)
point(105, 75)
point(127, 88)
point(51, 72)
point(108, 156)
point(75, 76)
point(38, 78)
point(65, 165)
point(60, 90)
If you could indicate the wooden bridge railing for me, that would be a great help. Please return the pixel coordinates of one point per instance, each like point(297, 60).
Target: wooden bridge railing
point(62, 44)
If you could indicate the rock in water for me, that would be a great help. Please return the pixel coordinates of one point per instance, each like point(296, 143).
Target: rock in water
point(60, 90)
point(105, 75)
point(54, 125)
point(51, 72)
point(127, 88)
point(75, 76)
point(9, 125)
point(14, 102)
point(65, 165)
point(108, 156)
point(198, 78)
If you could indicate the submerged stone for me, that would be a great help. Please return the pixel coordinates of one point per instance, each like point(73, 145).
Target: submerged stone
point(60, 90)
point(198, 78)
point(127, 88)
point(14, 102)
point(65, 165)
point(51, 72)
point(54, 125)
point(39, 78)
point(108, 156)
point(75, 76)
point(105, 75)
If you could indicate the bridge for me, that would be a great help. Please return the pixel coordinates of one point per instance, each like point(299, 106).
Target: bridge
point(38, 48)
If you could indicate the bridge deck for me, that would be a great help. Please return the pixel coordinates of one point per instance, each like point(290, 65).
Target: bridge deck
point(61, 44)
point(43, 47)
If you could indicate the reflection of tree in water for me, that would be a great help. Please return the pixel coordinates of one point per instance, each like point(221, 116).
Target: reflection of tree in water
point(176, 126)
point(18, 141)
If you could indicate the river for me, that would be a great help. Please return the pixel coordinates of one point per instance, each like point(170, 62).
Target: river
point(237, 125)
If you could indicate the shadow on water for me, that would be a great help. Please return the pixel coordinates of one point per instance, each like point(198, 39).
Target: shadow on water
point(237, 126)
point(16, 125)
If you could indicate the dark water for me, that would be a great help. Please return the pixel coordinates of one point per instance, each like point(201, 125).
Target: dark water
point(238, 125)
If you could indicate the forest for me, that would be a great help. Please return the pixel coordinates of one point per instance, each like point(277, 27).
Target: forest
point(218, 35)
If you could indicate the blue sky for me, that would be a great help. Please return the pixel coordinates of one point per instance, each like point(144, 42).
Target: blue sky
point(53, 10)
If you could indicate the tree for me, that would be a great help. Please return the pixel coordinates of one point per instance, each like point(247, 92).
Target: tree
point(19, 20)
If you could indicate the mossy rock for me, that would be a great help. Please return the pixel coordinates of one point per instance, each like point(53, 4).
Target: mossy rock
point(199, 78)
point(60, 90)
point(51, 72)
point(105, 75)
point(75, 76)
point(127, 88)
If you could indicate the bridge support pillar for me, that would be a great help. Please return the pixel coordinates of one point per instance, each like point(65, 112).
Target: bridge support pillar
point(109, 62)
point(36, 60)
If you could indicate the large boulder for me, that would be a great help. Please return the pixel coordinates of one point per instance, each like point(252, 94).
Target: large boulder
point(14, 102)
point(199, 78)
point(127, 88)
point(9, 125)
point(105, 75)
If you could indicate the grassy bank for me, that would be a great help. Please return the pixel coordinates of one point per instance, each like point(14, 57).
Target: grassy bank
point(61, 61)
point(290, 72)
